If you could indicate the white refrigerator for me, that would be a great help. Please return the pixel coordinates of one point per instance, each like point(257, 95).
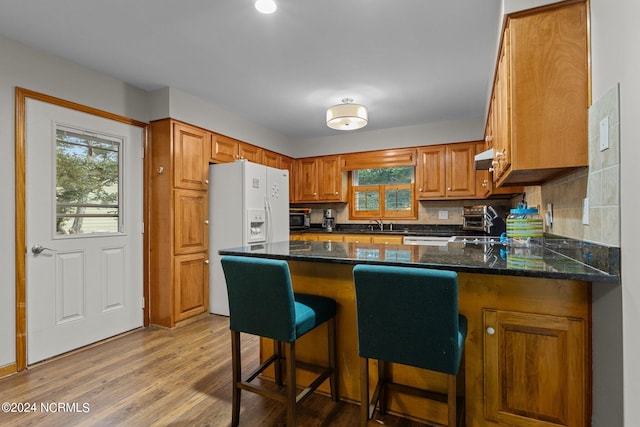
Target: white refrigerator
point(248, 205)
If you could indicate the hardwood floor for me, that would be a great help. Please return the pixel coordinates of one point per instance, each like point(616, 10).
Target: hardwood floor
point(159, 377)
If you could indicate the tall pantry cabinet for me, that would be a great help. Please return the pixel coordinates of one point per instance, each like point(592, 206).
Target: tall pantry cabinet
point(178, 241)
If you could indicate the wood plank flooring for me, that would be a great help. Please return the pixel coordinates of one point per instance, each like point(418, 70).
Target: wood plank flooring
point(159, 377)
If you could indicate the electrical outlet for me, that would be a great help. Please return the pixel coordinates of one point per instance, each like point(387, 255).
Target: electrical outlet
point(443, 214)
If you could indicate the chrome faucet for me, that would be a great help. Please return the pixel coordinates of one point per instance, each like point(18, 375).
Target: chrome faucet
point(380, 224)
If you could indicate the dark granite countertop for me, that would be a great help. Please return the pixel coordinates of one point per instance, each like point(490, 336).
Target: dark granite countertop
point(399, 229)
point(481, 258)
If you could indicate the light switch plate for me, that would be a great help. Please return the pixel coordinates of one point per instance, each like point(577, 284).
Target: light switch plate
point(585, 211)
point(604, 133)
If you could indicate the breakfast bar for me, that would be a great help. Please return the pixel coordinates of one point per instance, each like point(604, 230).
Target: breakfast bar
point(527, 357)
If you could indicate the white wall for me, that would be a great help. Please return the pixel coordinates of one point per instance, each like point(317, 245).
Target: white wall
point(180, 105)
point(615, 36)
point(409, 136)
point(28, 68)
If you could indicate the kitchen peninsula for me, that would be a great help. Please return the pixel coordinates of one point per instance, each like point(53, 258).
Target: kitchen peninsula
point(528, 351)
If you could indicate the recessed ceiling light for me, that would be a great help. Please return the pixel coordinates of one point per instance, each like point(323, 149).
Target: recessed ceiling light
point(266, 6)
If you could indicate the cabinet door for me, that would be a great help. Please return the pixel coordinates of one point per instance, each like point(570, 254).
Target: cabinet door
point(483, 178)
point(191, 287)
point(460, 170)
point(431, 172)
point(307, 180)
point(502, 121)
point(191, 156)
point(329, 237)
point(330, 178)
point(224, 149)
point(271, 159)
point(534, 369)
point(387, 240)
point(191, 232)
point(250, 152)
point(357, 238)
point(289, 164)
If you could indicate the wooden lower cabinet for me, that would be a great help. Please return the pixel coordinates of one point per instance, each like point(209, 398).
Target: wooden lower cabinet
point(526, 357)
point(191, 286)
point(534, 368)
point(353, 238)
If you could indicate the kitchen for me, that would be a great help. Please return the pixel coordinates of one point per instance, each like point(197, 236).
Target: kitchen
point(608, 69)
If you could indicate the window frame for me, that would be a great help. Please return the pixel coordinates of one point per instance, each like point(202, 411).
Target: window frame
point(381, 212)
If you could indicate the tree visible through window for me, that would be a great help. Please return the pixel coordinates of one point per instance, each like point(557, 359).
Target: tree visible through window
point(383, 193)
point(87, 182)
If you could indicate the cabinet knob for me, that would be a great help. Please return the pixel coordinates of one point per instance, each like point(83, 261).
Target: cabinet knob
point(337, 193)
point(420, 190)
point(488, 138)
point(206, 181)
point(485, 183)
point(206, 261)
point(206, 221)
point(315, 194)
point(449, 189)
point(490, 330)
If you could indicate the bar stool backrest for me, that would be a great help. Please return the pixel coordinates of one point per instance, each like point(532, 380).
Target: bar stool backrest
point(409, 315)
point(261, 300)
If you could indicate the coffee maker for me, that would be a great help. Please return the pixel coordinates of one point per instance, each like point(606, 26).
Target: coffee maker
point(328, 221)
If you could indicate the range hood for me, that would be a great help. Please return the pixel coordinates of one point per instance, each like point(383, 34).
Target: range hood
point(483, 160)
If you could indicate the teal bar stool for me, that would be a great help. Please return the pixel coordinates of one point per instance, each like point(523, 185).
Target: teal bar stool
point(407, 316)
point(262, 302)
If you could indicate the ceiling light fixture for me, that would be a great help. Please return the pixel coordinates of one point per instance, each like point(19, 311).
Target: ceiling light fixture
point(266, 6)
point(347, 116)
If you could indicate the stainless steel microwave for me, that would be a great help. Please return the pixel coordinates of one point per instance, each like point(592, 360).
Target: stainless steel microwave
point(299, 218)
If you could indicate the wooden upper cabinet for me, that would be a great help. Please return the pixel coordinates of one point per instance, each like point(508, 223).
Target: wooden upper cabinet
point(271, 159)
point(224, 149)
point(250, 153)
point(318, 179)
point(306, 180)
point(534, 369)
point(191, 156)
point(430, 172)
point(330, 178)
point(446, 171)
point(485, 187)
point(541, 95)
point(461, 170)
point(289, 164)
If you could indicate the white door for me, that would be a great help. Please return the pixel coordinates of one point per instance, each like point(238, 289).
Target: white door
point(83, 229)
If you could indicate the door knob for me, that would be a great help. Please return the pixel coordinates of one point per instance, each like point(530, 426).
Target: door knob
point(38, 249)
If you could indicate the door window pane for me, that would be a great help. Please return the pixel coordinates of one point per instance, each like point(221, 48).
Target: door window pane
point(88, 182)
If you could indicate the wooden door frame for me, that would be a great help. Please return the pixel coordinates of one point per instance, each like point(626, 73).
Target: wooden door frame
point(21, 96)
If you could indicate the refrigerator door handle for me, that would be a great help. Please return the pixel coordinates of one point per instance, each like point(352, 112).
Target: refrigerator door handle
point(269, 220)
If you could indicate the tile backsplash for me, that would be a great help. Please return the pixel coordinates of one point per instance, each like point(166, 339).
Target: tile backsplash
point(600, 184)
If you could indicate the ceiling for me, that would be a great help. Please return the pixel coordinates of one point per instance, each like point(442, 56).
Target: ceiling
point(409, 61)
